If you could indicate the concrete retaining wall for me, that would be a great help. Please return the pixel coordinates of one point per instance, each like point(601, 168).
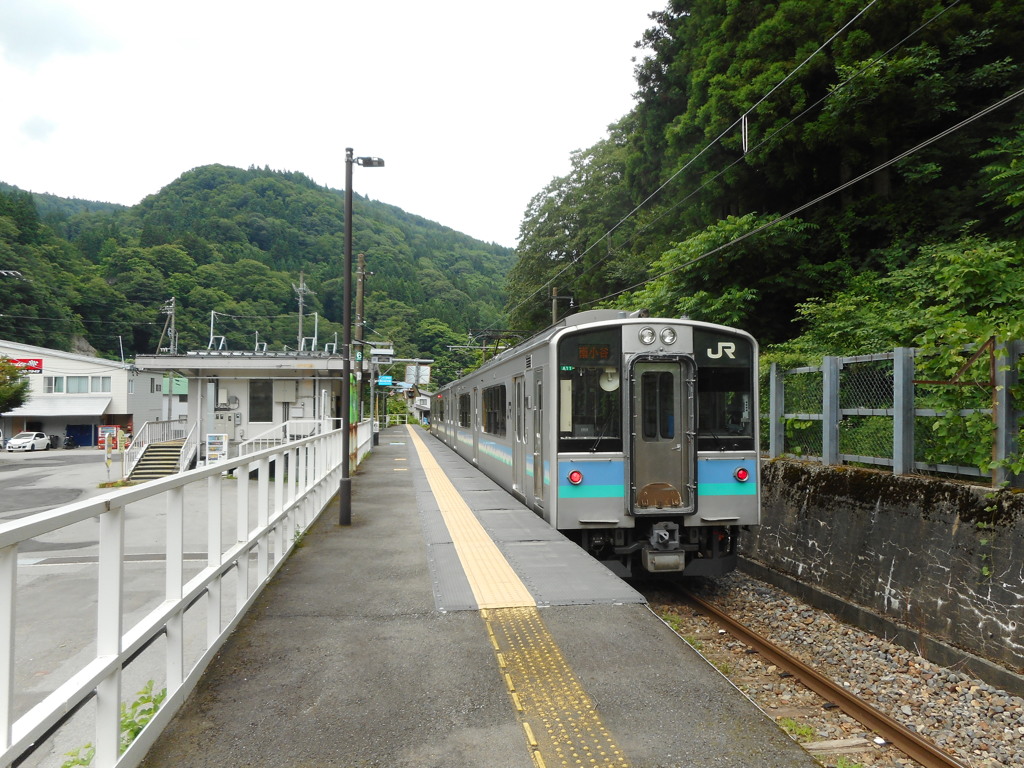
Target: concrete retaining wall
point(945, 560)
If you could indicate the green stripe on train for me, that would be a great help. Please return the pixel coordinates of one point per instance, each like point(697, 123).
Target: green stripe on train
point(591, 491)
point(727, 489)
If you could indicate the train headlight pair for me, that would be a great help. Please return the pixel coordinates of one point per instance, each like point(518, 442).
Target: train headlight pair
point(648, 335)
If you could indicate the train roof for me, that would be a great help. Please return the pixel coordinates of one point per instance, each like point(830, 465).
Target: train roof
point(580, 318)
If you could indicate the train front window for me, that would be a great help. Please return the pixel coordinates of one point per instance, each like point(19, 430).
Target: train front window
point(590, 392)
point(725, 402)
point(657, 397)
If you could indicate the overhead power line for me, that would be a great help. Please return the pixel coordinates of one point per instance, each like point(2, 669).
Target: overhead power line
point(863, 70)
point(902, 156)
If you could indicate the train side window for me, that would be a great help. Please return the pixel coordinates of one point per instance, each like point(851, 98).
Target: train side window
point(494, 410)
point(464, 411)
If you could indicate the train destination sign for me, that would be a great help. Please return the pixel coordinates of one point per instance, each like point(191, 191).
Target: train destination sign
point(594, 351)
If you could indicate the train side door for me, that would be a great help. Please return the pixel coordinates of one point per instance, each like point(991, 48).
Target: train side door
point(519, 486)
point(477, 425)
point(662, 450)
point(537, 436)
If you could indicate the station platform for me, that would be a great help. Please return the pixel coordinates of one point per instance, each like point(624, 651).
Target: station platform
point(449, 626)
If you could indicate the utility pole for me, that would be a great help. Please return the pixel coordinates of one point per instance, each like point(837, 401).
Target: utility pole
point(554, 304)
point(169, 330)
point(358, 330)
point(301, 290)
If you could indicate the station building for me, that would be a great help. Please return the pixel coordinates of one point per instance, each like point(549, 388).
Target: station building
point(252, 395)
point(77, 394)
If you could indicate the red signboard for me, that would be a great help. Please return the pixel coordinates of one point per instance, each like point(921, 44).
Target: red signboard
point(29, 365)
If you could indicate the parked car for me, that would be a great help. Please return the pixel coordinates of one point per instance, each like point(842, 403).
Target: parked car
point(29, 441)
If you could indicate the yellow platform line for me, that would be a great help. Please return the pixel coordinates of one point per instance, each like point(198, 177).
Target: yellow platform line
point(494, 583)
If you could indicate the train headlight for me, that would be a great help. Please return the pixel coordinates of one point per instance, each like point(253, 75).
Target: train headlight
point(647, 335)
point(668, 336)
point(575, 477)
point(742, 474)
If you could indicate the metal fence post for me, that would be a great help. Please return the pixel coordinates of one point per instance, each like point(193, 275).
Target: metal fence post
point(1007, 443)
point(903, 411)
point(776, 407)
point(830, 411)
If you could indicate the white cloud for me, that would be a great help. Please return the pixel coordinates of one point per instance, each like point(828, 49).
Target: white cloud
point(34, 31)
point(38, 128)
point(474, 106)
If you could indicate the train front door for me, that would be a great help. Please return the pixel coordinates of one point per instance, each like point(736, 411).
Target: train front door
point(663, 430)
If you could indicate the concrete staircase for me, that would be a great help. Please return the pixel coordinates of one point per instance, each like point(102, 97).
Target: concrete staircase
point(158, 460)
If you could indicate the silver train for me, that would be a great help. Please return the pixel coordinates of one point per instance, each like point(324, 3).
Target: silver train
point(636, 437)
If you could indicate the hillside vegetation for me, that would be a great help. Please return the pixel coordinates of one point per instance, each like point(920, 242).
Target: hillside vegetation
point(839, 175)
point(234, 242)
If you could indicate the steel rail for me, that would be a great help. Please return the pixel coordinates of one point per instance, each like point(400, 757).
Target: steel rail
point(910, 743)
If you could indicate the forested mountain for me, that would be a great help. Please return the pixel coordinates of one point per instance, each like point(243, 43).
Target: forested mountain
point(238, 243)
point(783, 157)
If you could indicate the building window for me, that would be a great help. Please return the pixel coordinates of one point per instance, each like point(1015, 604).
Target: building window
point(78, 384)
point(153, 386)
point(261, 400)
point(131, 386)
point(54, 384)
point(100, 383)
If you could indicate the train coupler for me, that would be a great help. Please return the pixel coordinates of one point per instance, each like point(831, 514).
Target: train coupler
point(663, 553)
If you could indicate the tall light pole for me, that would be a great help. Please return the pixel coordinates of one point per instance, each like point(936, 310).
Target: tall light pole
point(345, 486)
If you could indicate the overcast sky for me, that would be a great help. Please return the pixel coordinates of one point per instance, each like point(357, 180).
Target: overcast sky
point(474, 105)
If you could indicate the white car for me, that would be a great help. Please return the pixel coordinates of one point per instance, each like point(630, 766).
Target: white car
point(29, 441)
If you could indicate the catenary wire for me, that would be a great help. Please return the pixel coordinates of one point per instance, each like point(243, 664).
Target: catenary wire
point(927, 142)
point(864, 69)
point(693, 159)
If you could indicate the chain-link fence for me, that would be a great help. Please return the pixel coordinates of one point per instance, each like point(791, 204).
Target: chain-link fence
point(871, 410)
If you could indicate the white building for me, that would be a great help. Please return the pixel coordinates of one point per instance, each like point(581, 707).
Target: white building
point(76, 394)
point(247, 395)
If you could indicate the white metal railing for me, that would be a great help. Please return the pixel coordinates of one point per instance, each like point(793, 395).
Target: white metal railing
point(286, 432)
point(239, 532)
point(153, 432)
point(294, 430)
point(396, 419)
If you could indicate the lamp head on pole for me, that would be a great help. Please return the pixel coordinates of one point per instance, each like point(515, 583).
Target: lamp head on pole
point(370, 162)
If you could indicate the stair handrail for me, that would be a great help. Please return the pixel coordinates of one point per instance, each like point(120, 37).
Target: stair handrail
point(189, 449)
point(151, 432)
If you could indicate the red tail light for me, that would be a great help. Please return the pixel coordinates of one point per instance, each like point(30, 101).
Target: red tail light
point(742, 474)
point(575, 477)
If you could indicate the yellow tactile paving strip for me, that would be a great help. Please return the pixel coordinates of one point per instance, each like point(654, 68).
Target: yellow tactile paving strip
point(494, 583)
point(559, 720)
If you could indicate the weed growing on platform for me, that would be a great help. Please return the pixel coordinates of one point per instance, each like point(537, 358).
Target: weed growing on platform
point(134, 718)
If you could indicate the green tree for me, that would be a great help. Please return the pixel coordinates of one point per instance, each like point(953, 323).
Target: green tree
point(14, 386)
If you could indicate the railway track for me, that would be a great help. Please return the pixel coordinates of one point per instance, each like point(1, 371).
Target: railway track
point(910, 743)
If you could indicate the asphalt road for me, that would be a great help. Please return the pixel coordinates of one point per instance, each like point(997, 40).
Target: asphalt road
point(39, 480)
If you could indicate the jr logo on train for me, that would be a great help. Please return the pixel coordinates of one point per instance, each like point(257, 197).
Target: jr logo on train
point(636, 437)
